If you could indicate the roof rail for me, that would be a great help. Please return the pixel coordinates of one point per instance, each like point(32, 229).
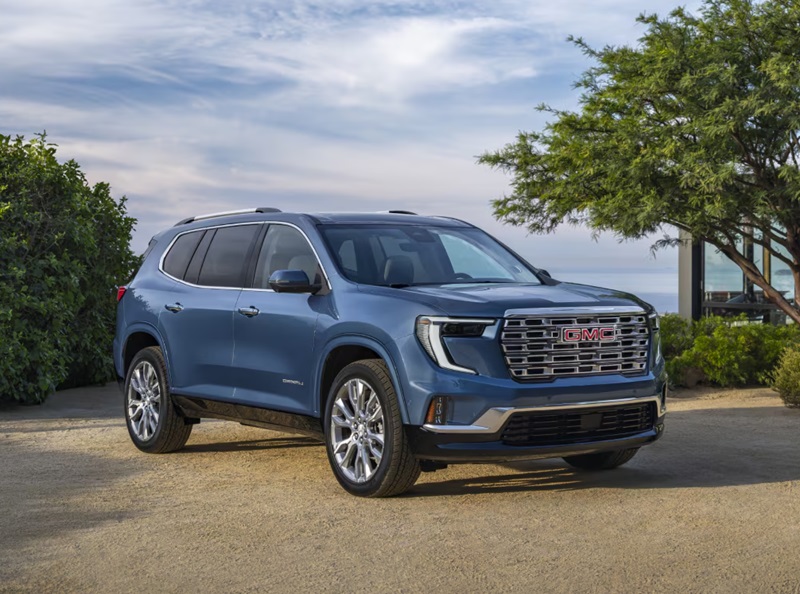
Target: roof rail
point(213, 215)
point(408, 212)
point(453, 219)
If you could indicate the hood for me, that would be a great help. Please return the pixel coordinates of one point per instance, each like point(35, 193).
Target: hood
point(492, 300)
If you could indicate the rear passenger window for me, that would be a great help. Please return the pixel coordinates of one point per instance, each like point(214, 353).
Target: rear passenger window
point(224, 263)
point(177, 259)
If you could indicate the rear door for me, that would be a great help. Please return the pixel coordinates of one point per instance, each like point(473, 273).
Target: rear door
point(197, 320)
point(274, 332)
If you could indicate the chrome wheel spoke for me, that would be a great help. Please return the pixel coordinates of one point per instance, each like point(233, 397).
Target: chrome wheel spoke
point(376, 453)
point(341, 422)
point(366, 463)
point(341, 406)
point(140, 425)
point(350, 455)
point(374, 410)
point(376, 438)
point(342, 446)
point(136, 381)
point(154, 418)
point(150, 376)
point(134, 410)
point(353, 388)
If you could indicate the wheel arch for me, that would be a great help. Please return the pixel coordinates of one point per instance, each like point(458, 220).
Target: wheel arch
point(140, 337)
point(345, 350)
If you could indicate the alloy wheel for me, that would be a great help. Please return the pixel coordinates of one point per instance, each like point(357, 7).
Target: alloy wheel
point(357, 430)
point(144, 400)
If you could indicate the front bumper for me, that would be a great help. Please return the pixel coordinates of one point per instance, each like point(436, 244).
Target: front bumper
point(483, 441)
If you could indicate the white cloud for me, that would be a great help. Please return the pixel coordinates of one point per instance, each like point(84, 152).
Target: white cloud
point(204, 106)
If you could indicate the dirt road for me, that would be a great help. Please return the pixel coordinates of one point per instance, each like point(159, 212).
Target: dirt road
point(713, 507)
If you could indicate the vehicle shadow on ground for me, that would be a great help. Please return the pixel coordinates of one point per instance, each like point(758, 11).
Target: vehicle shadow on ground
point(251, 445)
point(92, 402)
point(701, 448)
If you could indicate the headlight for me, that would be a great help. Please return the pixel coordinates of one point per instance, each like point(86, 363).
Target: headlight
point(431, 329)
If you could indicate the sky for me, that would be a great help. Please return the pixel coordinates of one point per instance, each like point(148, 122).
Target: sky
point(337, 105)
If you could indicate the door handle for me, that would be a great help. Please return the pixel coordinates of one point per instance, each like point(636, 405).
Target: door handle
point(250, 312)
point(174, 307)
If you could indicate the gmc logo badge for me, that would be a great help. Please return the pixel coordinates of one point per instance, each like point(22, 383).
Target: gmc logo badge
point(596, 334)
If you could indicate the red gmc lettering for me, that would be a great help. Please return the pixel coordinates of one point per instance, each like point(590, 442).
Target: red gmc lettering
point(588, 334)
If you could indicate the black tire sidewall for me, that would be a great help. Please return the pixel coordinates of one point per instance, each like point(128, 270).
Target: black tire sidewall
point(391, 425)
point(154, 356)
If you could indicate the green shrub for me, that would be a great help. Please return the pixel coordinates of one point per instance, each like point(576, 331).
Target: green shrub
point(785, 380)
point(63, 246)
point(731, 352)
point(676, 335)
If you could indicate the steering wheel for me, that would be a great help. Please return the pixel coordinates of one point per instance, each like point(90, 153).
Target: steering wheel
point(462, 276)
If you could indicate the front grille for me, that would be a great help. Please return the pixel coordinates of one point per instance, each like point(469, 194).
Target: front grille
point(578, 425)
point(534, 349)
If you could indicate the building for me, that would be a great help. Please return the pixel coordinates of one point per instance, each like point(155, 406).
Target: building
point(711, 284)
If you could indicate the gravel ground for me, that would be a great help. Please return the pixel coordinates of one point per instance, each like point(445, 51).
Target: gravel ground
point(712, 507)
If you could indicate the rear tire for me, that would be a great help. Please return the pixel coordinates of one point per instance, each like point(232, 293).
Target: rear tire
point(601, 460)
point(364, 435)
point(154, 424)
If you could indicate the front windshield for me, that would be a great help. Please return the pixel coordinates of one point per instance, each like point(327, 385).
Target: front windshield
point(405, 255)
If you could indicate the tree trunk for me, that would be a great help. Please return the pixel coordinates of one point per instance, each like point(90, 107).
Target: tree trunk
point(796, 277)
point(752, 272)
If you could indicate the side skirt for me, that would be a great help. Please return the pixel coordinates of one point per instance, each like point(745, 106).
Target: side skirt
point(249, 415)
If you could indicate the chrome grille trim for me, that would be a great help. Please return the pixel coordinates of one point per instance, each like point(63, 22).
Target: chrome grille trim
point(533, 349)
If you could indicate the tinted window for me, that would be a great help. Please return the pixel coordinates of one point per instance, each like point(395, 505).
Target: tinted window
point(285, 248)
point(416, 255)
point(199, 255)
point(180, 253)
point(224, 263)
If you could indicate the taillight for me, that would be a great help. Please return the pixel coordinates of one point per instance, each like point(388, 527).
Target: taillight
point(121, 292)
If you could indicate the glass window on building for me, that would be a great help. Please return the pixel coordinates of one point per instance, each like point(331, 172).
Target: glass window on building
point(711, 284)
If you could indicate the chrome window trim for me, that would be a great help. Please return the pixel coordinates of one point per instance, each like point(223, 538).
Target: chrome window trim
point(183, 282)
point(492, 420)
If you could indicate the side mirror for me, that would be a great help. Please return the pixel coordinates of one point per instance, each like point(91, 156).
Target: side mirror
point(543, 272)
point(291, 281)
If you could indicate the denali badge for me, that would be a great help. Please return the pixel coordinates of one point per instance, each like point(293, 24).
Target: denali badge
point(601, 334)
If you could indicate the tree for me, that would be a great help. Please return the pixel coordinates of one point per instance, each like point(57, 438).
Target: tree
point(695, 128)
point(63, 246)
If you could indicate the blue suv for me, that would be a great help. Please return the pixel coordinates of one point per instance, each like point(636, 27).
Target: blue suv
point(405, 342)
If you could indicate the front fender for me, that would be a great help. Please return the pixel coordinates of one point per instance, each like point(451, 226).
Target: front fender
point(370, 343)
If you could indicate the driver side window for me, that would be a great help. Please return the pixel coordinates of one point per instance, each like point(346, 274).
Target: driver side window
point(285, 248)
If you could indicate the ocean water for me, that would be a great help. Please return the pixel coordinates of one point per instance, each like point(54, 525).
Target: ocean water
point(657, 286)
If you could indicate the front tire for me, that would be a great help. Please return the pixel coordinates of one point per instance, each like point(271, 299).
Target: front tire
point(367, 446)
point(153, 421)
point(601, 460)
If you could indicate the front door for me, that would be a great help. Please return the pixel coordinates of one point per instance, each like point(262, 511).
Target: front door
point(274, 332)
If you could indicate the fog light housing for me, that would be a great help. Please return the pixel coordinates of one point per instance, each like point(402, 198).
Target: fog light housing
point(437, 411)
